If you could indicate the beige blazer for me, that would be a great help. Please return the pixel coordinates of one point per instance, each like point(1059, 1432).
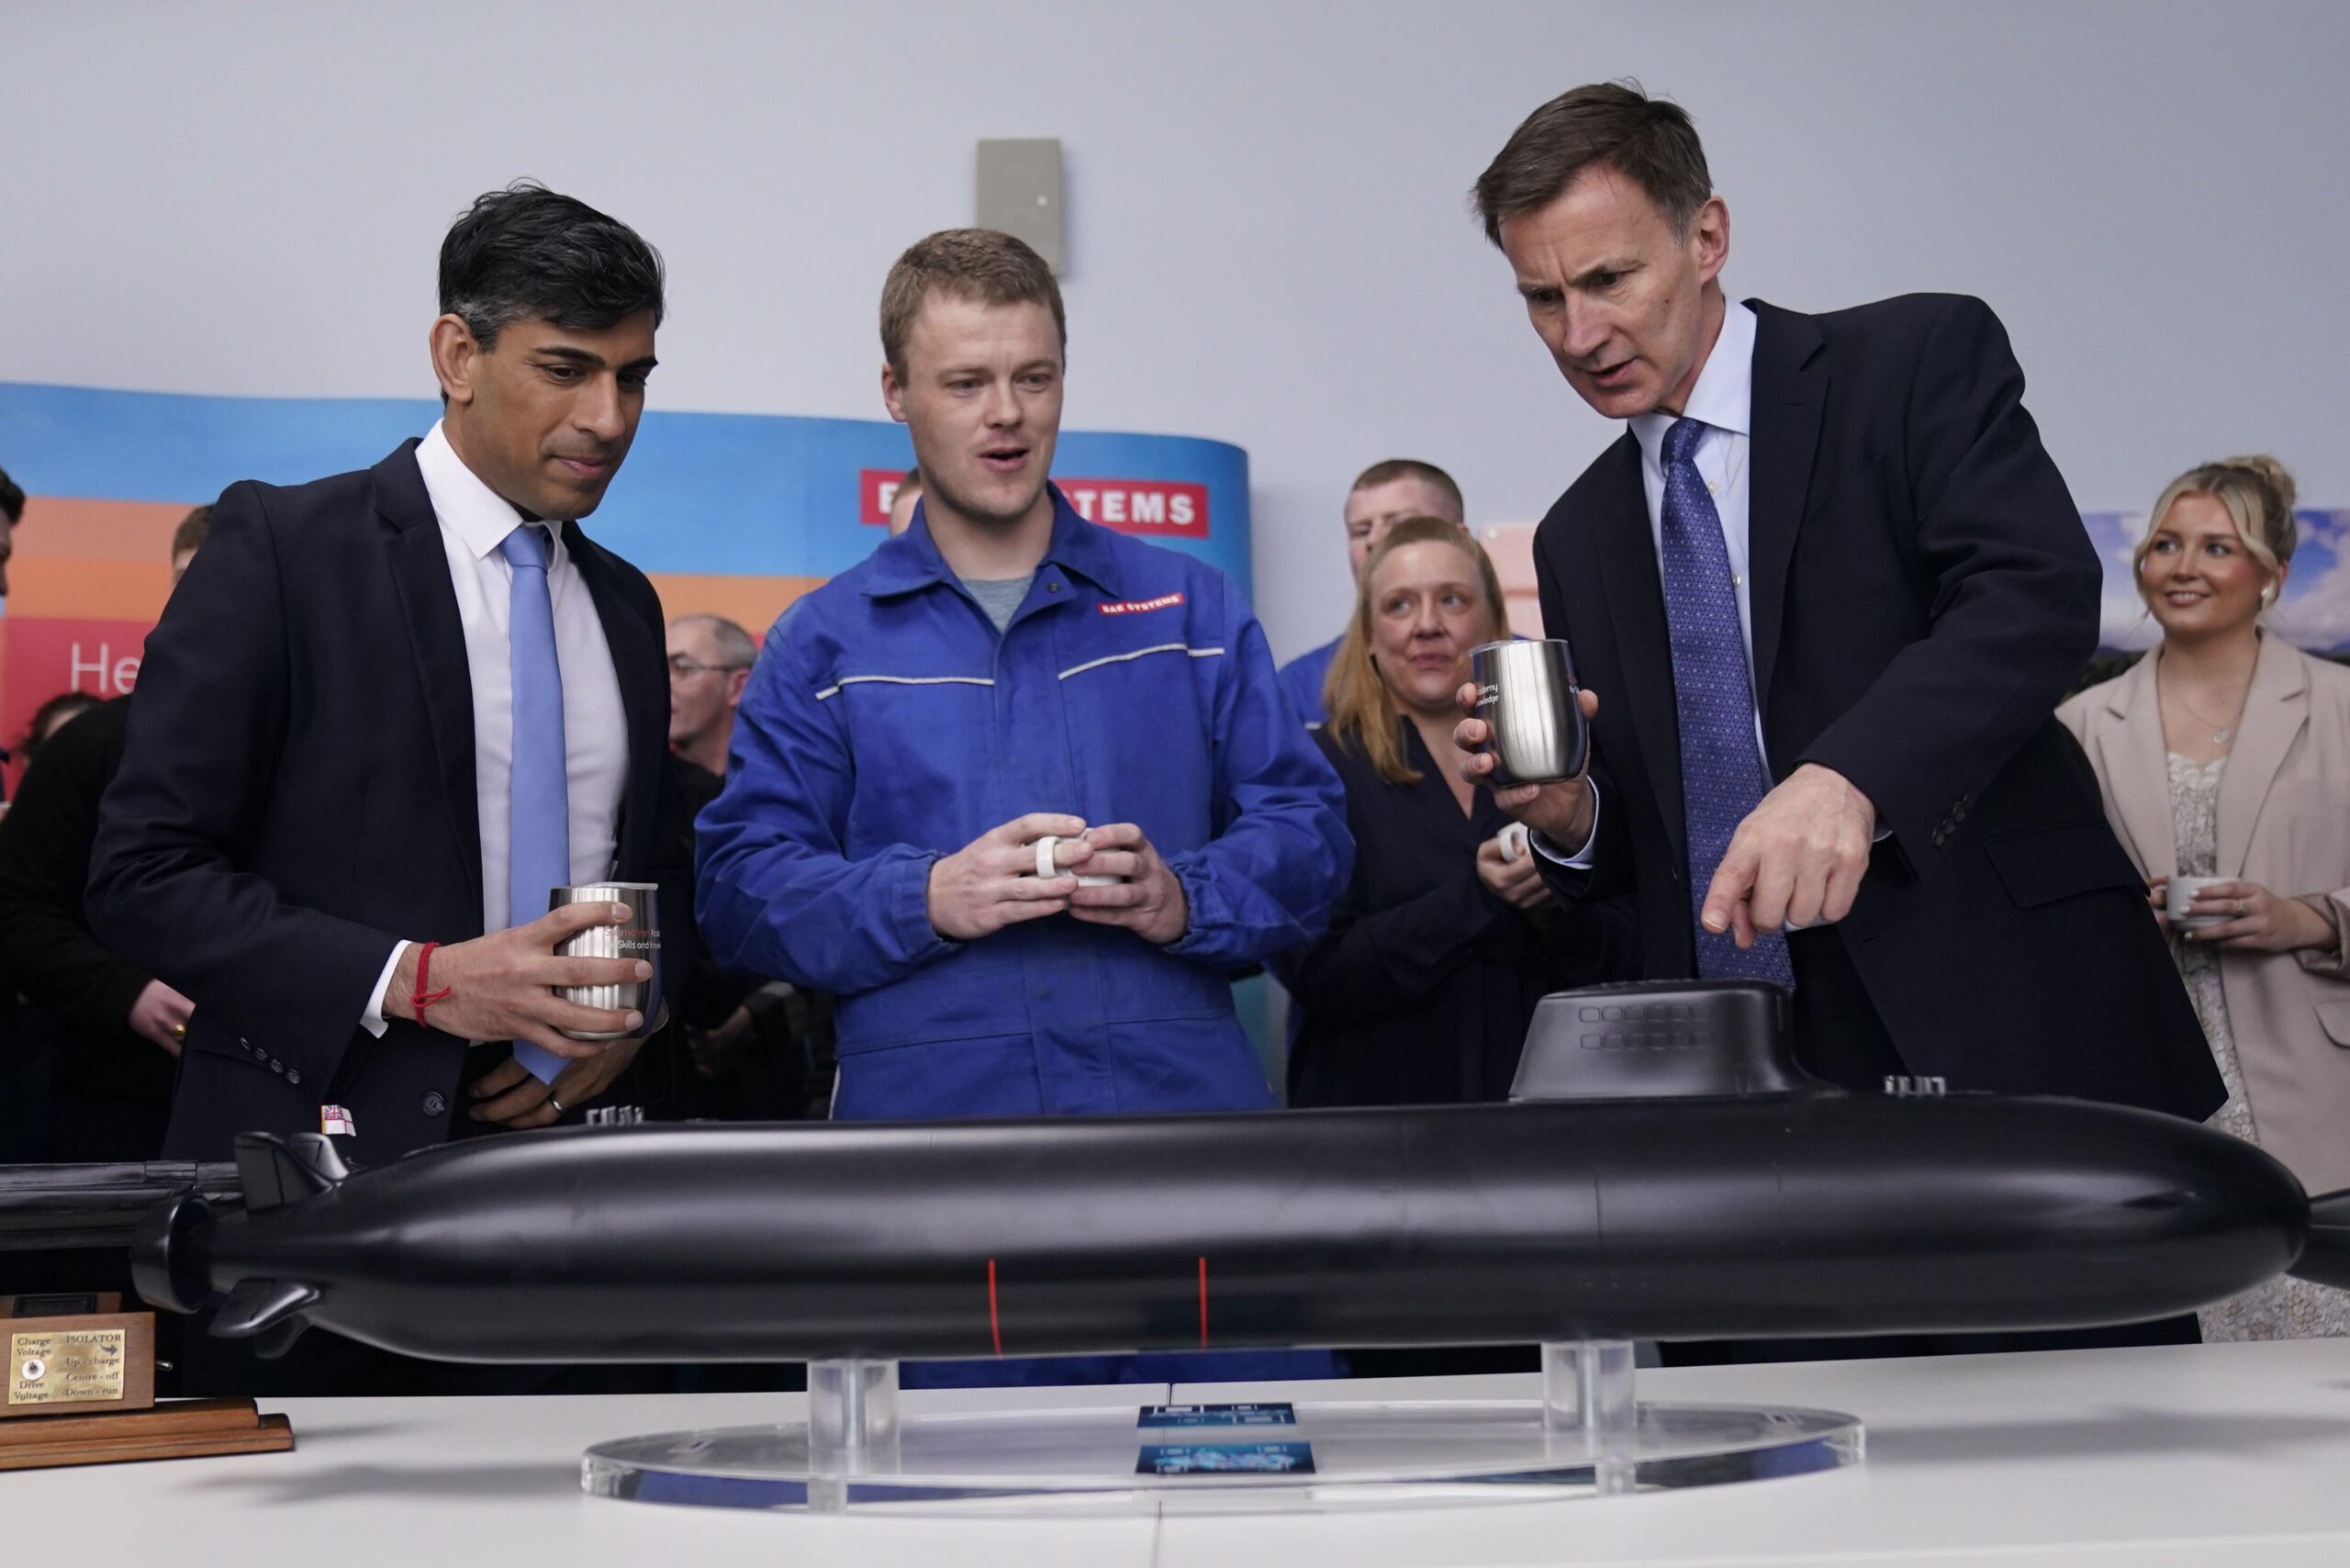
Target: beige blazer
point(2285, 823)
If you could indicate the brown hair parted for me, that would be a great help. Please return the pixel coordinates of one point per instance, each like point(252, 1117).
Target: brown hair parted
point(971, 263)
point(1389, 470)
point(1363, 715)
point(1610, 124)
point(2258, 494)
point(188, 537)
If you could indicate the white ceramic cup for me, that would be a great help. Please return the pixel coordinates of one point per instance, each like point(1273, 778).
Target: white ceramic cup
point(1512, 840)
point(2180, 897)
point(1044, 867)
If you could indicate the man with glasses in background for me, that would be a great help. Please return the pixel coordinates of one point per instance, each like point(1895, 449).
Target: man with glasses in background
point(710, 662)
point(753, 1049)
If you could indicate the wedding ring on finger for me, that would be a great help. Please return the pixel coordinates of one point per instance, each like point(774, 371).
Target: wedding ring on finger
point(2242, 909)
point(555, 1104)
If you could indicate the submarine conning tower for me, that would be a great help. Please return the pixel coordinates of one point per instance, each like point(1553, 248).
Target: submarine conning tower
point(1662, 1039)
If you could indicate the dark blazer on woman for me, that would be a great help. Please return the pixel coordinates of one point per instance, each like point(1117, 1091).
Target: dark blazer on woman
point(1420, 989)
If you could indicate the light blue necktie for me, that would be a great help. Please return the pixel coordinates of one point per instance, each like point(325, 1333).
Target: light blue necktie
point(1722, 777)
point(538, 803)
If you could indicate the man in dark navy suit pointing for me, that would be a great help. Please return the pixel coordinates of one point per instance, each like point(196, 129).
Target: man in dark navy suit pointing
point(1824, 594)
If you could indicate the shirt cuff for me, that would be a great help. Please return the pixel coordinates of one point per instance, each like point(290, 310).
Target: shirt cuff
point(372, 1019)
point(1581, 859)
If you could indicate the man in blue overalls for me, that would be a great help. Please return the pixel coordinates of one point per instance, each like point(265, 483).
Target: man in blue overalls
point(1004, 673)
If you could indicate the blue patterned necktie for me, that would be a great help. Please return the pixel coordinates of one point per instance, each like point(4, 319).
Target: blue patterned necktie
point(1722, 777)
point(538, 803)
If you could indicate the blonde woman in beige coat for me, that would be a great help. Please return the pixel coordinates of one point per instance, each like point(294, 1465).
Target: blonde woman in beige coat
point(2226, 753)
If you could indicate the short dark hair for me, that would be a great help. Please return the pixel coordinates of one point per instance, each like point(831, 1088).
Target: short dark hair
point(1388, 470)
point(12, 499)
point(51, 714)
point(1610, 123)
point(984, 265)
point(188, 537)
point(527, 252)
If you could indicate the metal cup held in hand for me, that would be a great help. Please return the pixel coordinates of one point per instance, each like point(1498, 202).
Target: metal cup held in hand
point(1526, 695)
point(640, 938)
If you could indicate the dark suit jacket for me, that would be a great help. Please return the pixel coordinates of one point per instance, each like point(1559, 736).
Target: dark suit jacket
point(1420, 991)
point(1922, 593)
point(297, 795)
point(46, 951)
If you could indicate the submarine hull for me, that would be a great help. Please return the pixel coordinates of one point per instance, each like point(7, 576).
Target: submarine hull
point(1731, 1217)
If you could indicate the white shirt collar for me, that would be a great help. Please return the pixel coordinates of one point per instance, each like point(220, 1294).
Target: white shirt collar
point(477, 515)
point(1724, 396)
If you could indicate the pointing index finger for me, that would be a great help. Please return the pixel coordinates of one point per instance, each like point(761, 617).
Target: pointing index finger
point(1733, 881)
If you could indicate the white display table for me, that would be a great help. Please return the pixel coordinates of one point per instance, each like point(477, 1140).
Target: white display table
point(2231, 1453)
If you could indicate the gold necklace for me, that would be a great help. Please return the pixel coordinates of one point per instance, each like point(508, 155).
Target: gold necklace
point(2220, 733)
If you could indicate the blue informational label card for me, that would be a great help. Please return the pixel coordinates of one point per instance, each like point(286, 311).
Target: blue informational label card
point(1218, 1416)
point(1225, 1458)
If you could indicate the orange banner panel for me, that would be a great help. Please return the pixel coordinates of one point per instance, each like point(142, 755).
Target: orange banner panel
point(751, 604)
point(56, 529)
point(89, 589)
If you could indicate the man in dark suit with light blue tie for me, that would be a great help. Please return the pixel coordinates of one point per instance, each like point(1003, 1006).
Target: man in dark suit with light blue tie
point(1823, 596)
point(386, 711)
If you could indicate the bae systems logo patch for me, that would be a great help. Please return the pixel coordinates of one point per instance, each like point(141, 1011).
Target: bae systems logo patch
point(1136, 606)
point(1161, 507)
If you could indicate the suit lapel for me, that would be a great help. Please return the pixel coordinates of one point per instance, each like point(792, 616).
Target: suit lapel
point(2138, 774)
point(1627, 552)
point(637, 661)
point(1789, 394)
point(420, 563)
point(2275, 709)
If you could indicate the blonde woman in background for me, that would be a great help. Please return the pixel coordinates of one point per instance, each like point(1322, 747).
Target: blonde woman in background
point(2226, 752)
point(1420, 989)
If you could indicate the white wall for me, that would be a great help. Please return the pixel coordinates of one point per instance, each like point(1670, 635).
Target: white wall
point(1269, 242)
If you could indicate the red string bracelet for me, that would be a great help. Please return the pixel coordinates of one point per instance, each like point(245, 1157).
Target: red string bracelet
point(421, 999)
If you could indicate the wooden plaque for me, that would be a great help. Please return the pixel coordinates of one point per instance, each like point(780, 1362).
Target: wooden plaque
point(79, 1363)
point(81, 1373)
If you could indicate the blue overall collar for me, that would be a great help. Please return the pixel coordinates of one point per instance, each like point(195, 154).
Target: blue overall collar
point(912, 562)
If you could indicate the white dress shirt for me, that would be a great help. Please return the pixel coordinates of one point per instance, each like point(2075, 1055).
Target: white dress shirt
point(475, 520)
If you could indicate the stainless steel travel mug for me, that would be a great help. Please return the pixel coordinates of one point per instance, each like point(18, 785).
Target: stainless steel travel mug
point(1526, 695)
point(640, 938)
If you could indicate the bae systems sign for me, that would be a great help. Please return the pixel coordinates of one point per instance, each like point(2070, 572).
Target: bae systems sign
point(1129, 506)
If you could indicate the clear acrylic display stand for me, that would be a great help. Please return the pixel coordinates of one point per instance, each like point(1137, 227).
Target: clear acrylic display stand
point(1585, 1437)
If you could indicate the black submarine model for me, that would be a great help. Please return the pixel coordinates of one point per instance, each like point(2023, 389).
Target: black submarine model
point(1663, 1171)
